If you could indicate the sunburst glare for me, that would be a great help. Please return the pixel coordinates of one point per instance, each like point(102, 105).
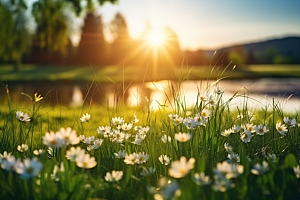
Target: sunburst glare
point(156, 37)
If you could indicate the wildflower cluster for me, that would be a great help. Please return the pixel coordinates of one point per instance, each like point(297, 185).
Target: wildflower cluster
point(92, 142)
point(136, 158)
point(247, 131)
point(191, 122)
point(124, 132)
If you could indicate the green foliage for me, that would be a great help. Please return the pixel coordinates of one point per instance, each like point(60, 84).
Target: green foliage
point(52, 25)
point(14, 35)
point(278, 180)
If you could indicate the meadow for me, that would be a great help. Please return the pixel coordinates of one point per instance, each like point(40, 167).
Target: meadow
point(116, 74)
point(207, 151)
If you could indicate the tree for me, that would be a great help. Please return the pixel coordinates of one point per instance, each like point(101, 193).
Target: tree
point(14, 35)
point(79, 5)
point(121, 41)
point(92, 48)
point(171, 52)
point(52, 25)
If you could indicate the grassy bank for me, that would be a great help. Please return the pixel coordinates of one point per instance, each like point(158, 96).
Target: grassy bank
point(139, 74)
point(206, 151)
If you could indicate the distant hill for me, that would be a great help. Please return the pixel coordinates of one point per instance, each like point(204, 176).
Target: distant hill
point(286, 46)
point(274, 51)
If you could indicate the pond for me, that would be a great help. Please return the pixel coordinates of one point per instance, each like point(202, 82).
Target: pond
point(159, 93)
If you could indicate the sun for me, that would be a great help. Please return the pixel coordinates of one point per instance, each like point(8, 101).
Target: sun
point(156, 38)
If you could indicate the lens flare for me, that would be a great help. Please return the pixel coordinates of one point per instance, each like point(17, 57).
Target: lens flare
point(156, 38)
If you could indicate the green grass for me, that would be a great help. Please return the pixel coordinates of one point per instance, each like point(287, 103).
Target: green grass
point(140, 74)
point(206, 146)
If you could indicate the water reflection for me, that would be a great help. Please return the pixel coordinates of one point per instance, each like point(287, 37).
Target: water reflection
point(162, 93)
point(259, 93)
point(77, 98)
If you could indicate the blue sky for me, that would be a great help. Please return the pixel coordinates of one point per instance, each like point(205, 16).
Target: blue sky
point(210, 24)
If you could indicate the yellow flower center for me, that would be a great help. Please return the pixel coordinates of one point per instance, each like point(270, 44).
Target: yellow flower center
point(141, 159)
point(85, 163)
point(183, 171)
point(29, 170)
point(261, 130)
point(53, 142)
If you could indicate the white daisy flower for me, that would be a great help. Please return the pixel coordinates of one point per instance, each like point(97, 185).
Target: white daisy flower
point(173, 116)
point(200, 121)
point(126, 127)
point(68, 136)
point(190, 123)
point(52, 140)
point(85, 161)
point(85, 118)
point(236, 128)
point(23, 117)
point(219, 90)
point(104, 130)
point(182, 167)
point(38, 152)
point(261, 129)
point(22, 147)
point(141, 158)
point(201, 179)
point(221, 184)
point(177, 121)
point(233, 158)
point(73, 153)
point(130, 159)
point(250, 127)
point(227, 147)
point(260, 169)
point(183, 137)
point(203, 98)
point(227, 170)
point(289, 122)
point(117, 121)
point(281, 128)
point(89, 140)
point(272, 158)
point(120, 154)
point(97, 143)
point(113, 176)
point(143, 130)
point(226, 132)
point(164, 159)
point(246, 136)
point(29, 168)
point(297, 171)
point(10, 163)
point(212, 100)
point(205, 113)
point(3, 156)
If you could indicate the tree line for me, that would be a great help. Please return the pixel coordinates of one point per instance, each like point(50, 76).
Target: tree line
point(48, 42)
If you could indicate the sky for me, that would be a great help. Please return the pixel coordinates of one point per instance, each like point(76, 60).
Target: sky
point(210, 24)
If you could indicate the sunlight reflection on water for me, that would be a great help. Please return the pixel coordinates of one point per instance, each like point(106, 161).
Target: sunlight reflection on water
point(260, 93)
